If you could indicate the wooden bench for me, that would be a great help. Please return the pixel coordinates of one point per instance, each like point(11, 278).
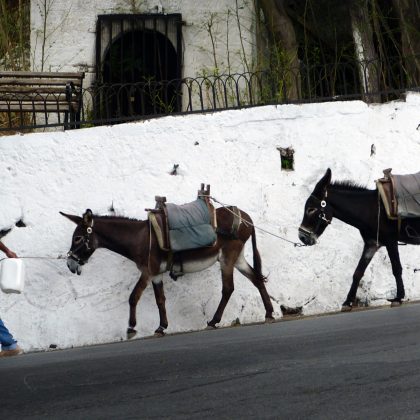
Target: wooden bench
point(26, 95)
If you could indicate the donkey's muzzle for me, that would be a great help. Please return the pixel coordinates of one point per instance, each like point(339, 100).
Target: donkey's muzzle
point(74, 266)
point(306, 237)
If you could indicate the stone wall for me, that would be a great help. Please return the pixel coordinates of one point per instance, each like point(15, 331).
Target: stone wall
point(211, 36)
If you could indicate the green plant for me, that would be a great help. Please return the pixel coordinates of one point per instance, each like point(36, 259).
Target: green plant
point(14, 34)
point(44, 35)
point(131, 6)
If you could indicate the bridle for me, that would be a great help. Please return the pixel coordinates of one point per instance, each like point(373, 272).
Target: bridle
point(323, 205)
point(82, 242)
point(322, 218)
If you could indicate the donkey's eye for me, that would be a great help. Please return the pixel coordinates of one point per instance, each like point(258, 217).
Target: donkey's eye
point(78, 239)
point(311, 211)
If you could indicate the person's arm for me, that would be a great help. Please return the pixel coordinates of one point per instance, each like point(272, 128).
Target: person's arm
point(7, 251)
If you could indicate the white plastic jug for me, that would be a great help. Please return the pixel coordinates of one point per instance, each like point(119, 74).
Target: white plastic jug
point(12, 275)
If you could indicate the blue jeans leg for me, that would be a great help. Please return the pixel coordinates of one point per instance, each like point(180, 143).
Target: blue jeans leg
point(6, 339)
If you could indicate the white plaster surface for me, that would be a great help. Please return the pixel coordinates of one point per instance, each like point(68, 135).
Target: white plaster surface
point(69, 40)
point(236, 153)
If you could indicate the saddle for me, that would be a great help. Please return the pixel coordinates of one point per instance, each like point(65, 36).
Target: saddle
point(188, 226)
point(400, 194)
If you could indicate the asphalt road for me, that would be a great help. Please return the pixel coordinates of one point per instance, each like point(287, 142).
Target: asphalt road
point(360, 365)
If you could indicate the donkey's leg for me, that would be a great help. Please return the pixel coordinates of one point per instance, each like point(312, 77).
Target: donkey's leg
point(394, 256)
point(259, 282)
point(133, 300)
point(227, 264)
point(160, 301)
point(369, 251)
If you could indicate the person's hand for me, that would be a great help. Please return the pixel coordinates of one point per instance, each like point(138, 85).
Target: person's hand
point(10, 254)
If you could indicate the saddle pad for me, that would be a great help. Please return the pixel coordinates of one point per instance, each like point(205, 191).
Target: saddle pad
point(408, 194)
point(190, 226)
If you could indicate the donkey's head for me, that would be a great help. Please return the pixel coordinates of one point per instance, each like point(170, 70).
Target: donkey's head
point(83, 243)
point(318, 214)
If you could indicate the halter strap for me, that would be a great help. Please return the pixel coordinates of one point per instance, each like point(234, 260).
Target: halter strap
point(85, 242)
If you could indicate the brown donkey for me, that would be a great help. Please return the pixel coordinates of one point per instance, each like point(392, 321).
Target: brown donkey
point(135, 240)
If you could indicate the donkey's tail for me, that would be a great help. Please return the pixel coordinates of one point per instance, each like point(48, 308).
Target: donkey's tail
point(257, 257)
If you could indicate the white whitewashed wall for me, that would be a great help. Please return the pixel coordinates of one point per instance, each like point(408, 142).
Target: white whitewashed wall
point(236, 153)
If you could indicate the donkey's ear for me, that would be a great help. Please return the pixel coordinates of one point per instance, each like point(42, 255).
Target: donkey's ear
point(75, 219)
point(323, 183)
point(87, 217)
point(327, 176)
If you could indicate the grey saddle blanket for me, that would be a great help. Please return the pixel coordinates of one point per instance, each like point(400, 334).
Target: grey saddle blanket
point(190, 226)
point(408, 194)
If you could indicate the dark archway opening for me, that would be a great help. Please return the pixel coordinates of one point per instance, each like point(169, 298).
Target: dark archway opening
point(139, 70)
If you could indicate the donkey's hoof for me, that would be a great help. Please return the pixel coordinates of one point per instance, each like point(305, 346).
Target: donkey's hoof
point(160, 332)
point(131, 332)
point(346, 308)
point(269, 320)
point(395, 302)
point(211, 325)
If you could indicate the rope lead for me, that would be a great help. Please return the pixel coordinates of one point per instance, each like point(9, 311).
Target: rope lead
point(296, 244)
point(60, 257)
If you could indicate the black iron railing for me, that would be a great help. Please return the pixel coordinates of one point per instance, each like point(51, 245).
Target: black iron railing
point(116, 103)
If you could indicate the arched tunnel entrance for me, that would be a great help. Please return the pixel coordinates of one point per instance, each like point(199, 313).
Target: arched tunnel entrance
point(139, 66)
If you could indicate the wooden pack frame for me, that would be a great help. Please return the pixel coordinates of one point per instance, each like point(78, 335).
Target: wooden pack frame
point(386, 188)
